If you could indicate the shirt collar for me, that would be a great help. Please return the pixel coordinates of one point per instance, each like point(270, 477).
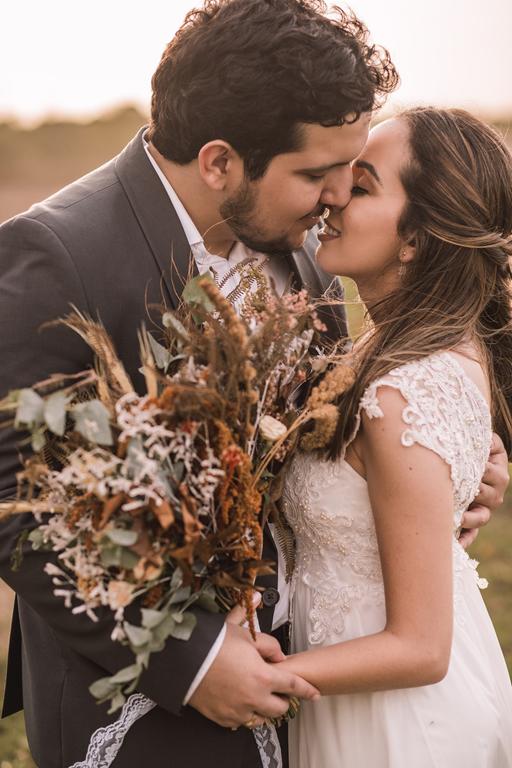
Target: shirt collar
point(189, 228)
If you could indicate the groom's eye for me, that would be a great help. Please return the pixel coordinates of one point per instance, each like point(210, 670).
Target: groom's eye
point(358, 191)
point(314, 177)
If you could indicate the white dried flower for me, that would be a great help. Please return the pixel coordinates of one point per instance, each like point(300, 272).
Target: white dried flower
point(271, 429)
point(118, 634)
point(120, 594)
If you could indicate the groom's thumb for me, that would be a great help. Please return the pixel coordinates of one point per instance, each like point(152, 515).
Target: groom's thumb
point(237, 615)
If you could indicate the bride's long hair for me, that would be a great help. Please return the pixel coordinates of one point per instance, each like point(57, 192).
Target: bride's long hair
point(458, 286)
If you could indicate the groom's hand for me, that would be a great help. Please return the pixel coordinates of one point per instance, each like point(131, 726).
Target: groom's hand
point(241, 683)
point(492, 490)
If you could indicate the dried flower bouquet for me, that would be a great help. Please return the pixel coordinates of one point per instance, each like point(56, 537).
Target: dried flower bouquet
point(155, 503)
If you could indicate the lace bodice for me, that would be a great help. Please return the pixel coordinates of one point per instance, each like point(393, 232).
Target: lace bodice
point(327, 503)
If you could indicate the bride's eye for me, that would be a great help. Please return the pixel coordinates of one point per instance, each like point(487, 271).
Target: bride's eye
point(358, 191)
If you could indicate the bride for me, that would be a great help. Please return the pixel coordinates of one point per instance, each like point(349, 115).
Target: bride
point(387, 616)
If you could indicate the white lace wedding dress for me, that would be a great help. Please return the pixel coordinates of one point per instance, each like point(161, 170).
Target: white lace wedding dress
point(465, 721)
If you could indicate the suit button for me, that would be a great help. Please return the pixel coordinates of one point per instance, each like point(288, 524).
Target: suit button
point(270, 597)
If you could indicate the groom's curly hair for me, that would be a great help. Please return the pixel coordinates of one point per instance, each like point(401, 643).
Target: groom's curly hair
point(251, 71)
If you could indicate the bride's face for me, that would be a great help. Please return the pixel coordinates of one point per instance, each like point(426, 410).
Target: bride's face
point(368, 246)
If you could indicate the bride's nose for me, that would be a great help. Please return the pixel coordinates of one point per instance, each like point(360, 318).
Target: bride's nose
point(337, 187)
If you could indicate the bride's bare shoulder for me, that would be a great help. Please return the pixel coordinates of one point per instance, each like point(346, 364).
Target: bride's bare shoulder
point(473, 363)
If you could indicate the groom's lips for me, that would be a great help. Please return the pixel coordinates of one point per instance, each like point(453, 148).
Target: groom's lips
point(311, 221)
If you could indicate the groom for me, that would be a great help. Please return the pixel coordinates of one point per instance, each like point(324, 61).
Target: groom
point(258, 108)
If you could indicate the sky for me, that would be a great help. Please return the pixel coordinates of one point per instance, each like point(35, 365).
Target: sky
point(68, 59)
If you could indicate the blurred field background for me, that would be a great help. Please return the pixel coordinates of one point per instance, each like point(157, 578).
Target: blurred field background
point(35, 162)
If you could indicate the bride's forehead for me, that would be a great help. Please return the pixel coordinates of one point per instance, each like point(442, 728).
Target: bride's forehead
point(391, 132)
point(387, 143)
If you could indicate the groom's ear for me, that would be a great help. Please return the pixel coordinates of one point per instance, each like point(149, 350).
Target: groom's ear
point(221, 168)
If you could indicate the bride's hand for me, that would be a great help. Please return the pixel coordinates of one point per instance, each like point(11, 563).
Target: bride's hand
point(492, 490)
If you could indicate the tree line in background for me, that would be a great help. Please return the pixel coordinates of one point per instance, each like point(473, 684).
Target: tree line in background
point(57, 152)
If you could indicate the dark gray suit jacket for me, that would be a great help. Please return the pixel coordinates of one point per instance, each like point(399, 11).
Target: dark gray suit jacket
point(111, 244)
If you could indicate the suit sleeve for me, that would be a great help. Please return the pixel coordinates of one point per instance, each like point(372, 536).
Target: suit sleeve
point(39, 283)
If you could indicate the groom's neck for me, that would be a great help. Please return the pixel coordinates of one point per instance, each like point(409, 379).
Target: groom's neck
point(200, 202)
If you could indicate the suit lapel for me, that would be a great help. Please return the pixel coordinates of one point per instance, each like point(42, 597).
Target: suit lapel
point(156, 216)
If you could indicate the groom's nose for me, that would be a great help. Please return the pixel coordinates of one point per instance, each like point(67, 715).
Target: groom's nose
point(337, 187)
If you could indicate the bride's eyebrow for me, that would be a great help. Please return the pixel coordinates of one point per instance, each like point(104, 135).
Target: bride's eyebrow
point(370, 168)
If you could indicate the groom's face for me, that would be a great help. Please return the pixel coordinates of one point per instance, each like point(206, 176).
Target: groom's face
point(274, 213)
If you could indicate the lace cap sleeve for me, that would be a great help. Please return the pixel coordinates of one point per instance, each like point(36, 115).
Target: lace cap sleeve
point(445, 412)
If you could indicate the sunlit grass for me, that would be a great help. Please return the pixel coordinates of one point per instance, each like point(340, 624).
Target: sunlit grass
point(493, 549)
point(14, 751)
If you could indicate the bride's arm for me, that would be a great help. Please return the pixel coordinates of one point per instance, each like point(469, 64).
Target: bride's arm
point(412, 500)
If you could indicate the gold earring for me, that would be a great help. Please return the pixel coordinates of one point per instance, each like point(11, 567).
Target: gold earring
point(402, 269)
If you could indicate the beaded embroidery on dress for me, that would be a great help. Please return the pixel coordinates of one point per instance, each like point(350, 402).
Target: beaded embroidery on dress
point(337, 594)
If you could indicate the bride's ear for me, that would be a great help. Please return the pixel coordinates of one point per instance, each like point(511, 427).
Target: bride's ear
point(407, 252)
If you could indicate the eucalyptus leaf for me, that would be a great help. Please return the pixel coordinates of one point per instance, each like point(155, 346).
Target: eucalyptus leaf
point(127, 674)
point(130, 688)
point(194, 295)
point(178, 470)
point(156, 645)
point(123, 537)
point(132, 461)
point(92, 421)
point(164, 629)
point(17, 552)
point(128, 559)
point(168, 490)
point(175, 358)
point(102, 689)
point(38, 440)
point(161, 355)
point(143, 658)
point(138, 636)
point(116, 703)
point(182, 594)
point(36, 538)
point(55, 412)
point(111, 556)
point(184, 629)
point(207, 601)
point(171, 321)
point(176, 578)
point(13, 396)
point(30, 410)
point(151, 618)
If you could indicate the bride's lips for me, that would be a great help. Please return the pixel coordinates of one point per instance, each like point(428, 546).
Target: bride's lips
point(329, 233)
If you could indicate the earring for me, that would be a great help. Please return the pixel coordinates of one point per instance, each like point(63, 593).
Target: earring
point(402, 269)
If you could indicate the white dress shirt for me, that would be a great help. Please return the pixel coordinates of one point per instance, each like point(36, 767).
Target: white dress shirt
point(219, 267)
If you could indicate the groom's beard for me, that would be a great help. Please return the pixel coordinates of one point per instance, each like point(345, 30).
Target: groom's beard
point(239, 213)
